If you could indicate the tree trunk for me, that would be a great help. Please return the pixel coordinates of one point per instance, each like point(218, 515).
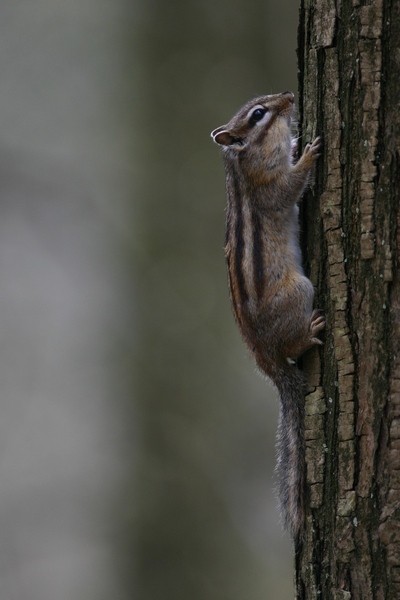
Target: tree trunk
point(349, 55)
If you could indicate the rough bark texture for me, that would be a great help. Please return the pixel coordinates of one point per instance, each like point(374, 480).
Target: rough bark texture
point(349, 55)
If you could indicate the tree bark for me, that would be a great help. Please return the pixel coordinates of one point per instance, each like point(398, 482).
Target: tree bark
point(349, 55)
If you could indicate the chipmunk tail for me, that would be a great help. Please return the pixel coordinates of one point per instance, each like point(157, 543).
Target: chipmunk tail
point(290, 466)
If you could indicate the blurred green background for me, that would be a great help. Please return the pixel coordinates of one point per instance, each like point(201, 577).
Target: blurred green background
point(137, 440)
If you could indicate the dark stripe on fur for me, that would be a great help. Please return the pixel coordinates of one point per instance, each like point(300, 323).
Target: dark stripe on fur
point(228, 224)
point(239, 241)
point(258, 246)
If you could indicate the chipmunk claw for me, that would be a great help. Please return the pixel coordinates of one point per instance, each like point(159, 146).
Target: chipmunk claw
point(314, 147)
point(317, 323)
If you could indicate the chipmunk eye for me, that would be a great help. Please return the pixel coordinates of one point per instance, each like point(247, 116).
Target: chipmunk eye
point(257, 115)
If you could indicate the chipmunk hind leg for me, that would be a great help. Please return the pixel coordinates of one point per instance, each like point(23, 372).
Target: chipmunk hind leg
point(298, 324)
point(317, 324)
point(305, 337)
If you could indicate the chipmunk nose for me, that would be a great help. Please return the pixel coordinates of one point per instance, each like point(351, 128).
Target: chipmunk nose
point(290, 96)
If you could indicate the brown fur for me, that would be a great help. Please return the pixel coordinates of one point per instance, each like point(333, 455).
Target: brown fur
point(272, 299)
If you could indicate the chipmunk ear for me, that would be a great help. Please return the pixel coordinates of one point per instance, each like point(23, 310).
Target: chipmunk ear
point(222, 136)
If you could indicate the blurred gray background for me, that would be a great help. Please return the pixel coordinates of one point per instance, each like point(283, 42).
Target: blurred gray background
point(136, 439)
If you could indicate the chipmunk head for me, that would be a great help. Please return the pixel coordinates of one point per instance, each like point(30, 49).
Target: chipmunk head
point(261, 126)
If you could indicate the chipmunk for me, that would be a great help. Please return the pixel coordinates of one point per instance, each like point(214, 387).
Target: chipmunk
point(272, 298)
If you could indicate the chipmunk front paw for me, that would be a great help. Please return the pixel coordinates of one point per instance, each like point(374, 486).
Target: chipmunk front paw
point(313, 150)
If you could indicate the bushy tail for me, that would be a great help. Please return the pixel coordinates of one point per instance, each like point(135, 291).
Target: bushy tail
point(291, 447)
